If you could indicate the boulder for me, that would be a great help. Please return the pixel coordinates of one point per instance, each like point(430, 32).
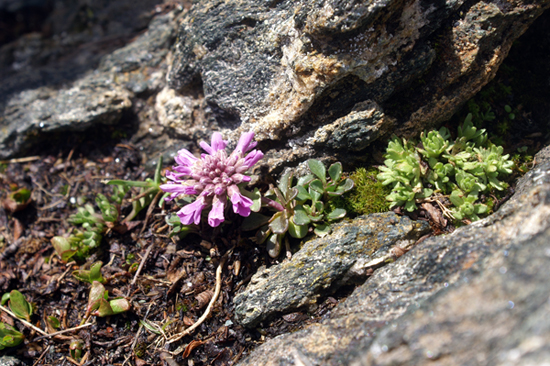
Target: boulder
point(325, 78)
point(476, 296)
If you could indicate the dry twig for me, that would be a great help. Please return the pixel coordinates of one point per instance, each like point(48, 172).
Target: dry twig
point(217, 291)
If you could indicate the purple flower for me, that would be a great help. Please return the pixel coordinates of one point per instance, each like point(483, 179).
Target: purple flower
point(214, 177)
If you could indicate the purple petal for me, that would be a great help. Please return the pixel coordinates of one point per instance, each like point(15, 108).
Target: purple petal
point(215, 217)
point(253, 157)
point(245, 143)
point(192, 212)
point(206, 148)
point(182, 169)
point(241, 204)
point(239, 178)
point(175, 189)
point(217, 141)
point(175, 175)
point(185, 158)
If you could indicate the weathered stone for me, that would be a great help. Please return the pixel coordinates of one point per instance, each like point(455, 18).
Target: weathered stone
point(44, 110)
point(148, 50)
point(10, 361)
point(290, 70)
point(320, 266)
point(477, 296)
point(96, 97)
point(175, 112)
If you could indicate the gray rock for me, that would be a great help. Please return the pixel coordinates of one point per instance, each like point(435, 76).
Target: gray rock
point(477, 296)
point(290, 69)
point(321, 265)
point(10, 361)
point(89, 101)
point(96, 97)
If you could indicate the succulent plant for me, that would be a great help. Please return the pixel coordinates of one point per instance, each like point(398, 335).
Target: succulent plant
point(462, 169)
point(301, 205)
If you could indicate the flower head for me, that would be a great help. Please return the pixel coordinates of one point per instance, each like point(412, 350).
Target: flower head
point(214, 177)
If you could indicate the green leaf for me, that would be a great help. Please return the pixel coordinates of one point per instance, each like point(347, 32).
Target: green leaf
point(273, 245)
point(335, 171)
point(300, 216)
point(336, 214)
point(317, 186)
point(53, 322)
point(343, 187)
point(22, 195)
point(322, 230)
point(297, 231)
point(9, 336)
point(19, 305)
point(62, 247)
point(315, 196)
point(119, 305)
point(254, 221)
point(285, 183)
point(291, 194)
point(97, 293)
point(104, 309)
point(262, 234)
point(131, 183)
point(302, 194)
point(91, 275)
point(304, 180)
point(318, 169)
point(5, 298)
point(279, 223)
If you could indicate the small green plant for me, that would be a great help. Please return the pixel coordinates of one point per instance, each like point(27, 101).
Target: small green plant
point(82, 242)
point(9, 336)
point(75, 348)
point(18, 199)
point(307, 203)
point(18, 304)
point(460, 170)
point(100, 305)
point(90, 275)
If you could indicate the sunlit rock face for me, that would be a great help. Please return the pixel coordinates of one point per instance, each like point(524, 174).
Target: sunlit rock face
point(328, 77)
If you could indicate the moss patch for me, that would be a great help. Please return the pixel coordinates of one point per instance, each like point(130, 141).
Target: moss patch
point(367, 197)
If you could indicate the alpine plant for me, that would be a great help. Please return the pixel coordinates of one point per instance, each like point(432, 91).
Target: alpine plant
point(213, 178)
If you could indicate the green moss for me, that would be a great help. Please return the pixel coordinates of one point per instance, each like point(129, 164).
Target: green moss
point(367, 197)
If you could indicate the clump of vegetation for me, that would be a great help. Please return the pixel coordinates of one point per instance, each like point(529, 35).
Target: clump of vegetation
point(302, 207)
point(368, 195)
point(82, 242)
point(459, 170)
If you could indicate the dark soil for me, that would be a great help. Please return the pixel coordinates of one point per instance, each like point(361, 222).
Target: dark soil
point(170, 293)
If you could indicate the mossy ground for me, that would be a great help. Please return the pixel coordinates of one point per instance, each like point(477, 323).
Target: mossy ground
point(368, 195)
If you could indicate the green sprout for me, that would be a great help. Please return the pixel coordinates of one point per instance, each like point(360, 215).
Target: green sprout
point(90, 275)
point(9, 336)
point(80, 244)
point(75, 348)
point(460, 170)
point(100, 305)
point(18, 304)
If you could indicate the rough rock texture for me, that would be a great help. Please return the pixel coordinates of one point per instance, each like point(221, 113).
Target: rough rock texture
point(9, 361)
point(321, 264)
point(478, 296)
point(291, 70)
point(97, 96)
